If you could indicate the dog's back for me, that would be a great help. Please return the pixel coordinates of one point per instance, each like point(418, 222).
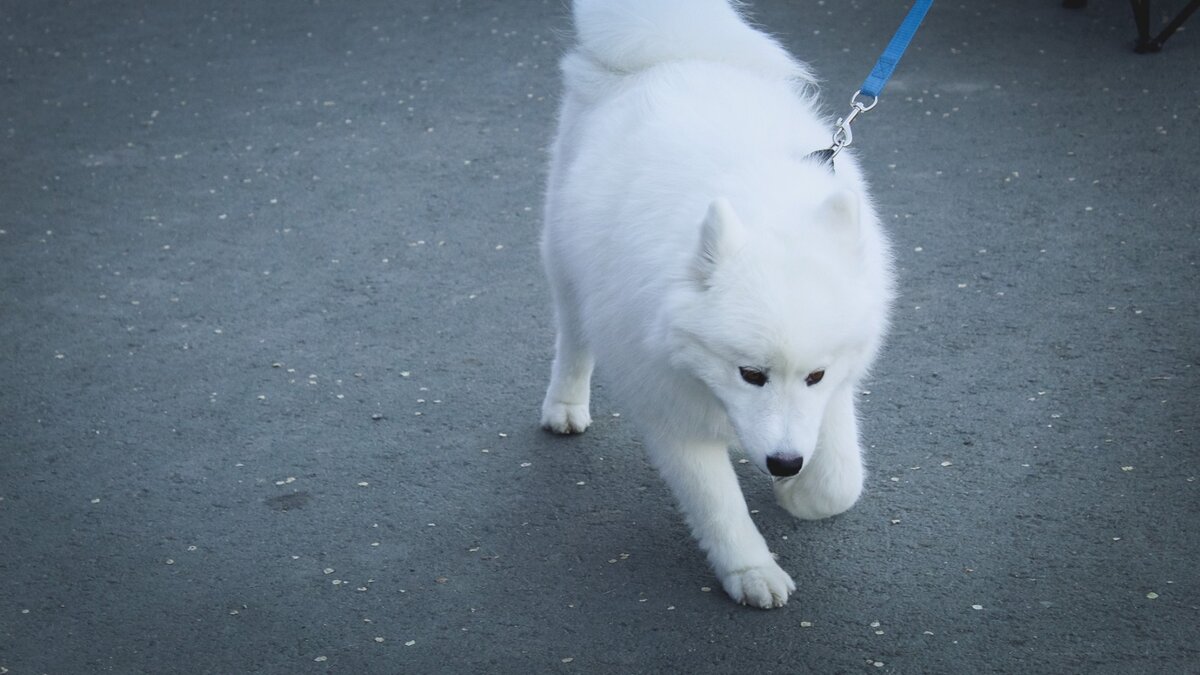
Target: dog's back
point(668, 104)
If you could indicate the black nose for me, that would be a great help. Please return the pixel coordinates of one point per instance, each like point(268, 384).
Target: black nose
point(783, 467)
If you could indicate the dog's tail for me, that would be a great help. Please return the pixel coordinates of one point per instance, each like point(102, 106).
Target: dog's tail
point(629, 35)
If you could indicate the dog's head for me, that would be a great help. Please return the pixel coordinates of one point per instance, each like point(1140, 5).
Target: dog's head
point(776, 319)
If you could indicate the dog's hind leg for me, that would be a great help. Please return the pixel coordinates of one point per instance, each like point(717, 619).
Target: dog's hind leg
point(703, 480)
point(833, 479)
point(565, 408)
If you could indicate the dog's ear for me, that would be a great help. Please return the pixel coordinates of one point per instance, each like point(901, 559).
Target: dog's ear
point(720, 236)
point(842, 212)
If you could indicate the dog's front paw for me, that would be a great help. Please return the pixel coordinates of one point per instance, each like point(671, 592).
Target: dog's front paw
point(565, 418)
point(763, 586)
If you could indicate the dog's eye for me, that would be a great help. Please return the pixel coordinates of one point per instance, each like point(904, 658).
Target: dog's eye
point(753, 376)
point(814, 377)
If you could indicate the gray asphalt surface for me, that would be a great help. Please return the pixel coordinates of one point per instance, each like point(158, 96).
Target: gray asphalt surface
point(273, 338)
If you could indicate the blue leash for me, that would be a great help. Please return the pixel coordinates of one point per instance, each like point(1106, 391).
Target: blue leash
point(878, 78)
point(882, 71)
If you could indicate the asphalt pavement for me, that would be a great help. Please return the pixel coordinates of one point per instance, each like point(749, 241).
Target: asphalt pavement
point(274, 335)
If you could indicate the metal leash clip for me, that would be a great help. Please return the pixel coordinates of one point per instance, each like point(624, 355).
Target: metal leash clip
point(843, 136)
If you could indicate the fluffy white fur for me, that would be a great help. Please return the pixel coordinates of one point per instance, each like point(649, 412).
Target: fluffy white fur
point(687, 237)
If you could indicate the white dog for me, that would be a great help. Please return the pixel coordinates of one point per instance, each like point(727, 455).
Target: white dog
point(733, 288)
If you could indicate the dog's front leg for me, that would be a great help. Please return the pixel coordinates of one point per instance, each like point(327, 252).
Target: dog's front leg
point(702, 479)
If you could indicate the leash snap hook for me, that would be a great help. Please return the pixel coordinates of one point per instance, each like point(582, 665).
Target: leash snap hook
point(843, 136)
